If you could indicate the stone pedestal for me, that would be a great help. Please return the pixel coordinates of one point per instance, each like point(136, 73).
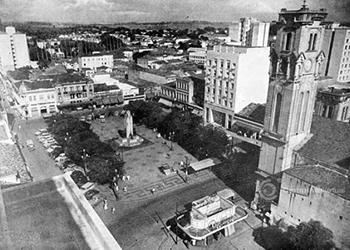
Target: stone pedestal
point(130, 142)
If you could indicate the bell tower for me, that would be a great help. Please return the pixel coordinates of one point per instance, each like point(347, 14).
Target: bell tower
point(295, 66)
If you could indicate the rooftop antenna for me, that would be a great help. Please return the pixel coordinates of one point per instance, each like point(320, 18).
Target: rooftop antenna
point(304, 5)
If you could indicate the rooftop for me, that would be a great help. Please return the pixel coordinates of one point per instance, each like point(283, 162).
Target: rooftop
point(330, 142)
point(50, 214)
point(254, 111)
point(324, 178)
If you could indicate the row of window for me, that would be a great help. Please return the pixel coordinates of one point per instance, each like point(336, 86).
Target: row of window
point(98, 59)
point(220, 84)
point(79, 95)
point(74, 88)
point(220, 92)
point(221, 101)
point(181, 85)
point(41, 97)
point(216, 62)
point(345, 59)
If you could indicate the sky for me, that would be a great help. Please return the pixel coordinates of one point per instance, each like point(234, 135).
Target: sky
point(116, 11)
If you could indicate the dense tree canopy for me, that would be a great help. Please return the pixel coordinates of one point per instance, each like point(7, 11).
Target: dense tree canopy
point(85, 149)
point(310, 235)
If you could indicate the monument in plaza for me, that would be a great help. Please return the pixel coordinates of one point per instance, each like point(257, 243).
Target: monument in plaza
point(130, 139)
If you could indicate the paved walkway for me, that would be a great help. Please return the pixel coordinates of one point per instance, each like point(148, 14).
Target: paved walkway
point(143, 163)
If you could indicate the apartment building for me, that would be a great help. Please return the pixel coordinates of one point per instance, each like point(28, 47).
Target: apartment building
point(249, 32)
point(336, 45)
point(14, 52)
point(235, 77)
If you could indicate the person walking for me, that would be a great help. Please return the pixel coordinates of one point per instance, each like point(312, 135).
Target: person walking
point(113, 210)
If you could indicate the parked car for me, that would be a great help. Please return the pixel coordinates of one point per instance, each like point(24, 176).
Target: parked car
point(79, 178)
point(87, 186)
point(30, 145)
point(102, 118)
point(90, 193)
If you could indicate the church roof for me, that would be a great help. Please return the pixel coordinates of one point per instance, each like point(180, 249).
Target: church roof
point(330, 142)
point(323, 177)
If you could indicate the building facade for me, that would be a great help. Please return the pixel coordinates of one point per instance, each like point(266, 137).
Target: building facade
point(318, 193)
point(37, 101)
point(95, 60)
point(74, 92)
point(14, 52)
point(334, 102)
point(249, 32)
point(336, 45)
point(198, 56)
point(230, 84)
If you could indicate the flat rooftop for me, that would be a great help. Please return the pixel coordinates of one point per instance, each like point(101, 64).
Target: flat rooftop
point(49, 214)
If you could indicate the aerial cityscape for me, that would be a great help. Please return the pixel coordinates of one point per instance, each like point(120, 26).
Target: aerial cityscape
point(175, 124)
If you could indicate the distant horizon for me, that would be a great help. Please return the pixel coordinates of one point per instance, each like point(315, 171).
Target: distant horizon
point(156, 11)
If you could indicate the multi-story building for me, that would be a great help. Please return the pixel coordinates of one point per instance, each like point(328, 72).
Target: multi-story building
point(231, 84)
point(74, 92)
point(14, 52)
point(198, 56)
point(334, 102)
point(94, 61)
point(37, 98)
point(336, 45)
point(249, 32)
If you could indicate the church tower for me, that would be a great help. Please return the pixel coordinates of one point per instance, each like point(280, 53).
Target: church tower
point(295, 66)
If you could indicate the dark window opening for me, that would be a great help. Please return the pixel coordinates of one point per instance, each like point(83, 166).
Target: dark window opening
point(277, 112)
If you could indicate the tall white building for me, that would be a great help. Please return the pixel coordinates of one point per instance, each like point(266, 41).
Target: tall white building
point(14, 52)
point(235, 77)
point(249, 32)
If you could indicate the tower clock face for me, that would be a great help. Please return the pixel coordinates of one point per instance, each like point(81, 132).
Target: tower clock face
point(307, 65)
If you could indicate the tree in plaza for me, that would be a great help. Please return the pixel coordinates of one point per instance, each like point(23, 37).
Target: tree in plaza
point(103, 169)
point(213, 142)
point(310, 235)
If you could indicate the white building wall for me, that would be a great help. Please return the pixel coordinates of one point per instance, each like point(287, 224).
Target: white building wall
point(252, 77)
point(21, 50)
point(13, 50)
point(7, 62)
point(260, 34)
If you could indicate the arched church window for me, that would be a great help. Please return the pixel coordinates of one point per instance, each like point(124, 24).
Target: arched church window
point(314, 42)
point(288, 41)
point(277, 112)
point(310, 41)
point(305, 109)
point(298, 113)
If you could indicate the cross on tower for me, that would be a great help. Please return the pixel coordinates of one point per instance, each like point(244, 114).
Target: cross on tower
point(304, 5)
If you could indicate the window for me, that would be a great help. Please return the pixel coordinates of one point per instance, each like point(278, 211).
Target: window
point(30, 98)
point(288, 41)
point(52, 96)
point(41, 97)
point(310, 41)
point(299, 113)
point(278, 104)
point(34, 97)
point(305, 109)
point(314, 42)
point(48, 96)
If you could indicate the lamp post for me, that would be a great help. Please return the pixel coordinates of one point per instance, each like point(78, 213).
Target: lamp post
point(83, 157)
point(171, 136)
point(186, 165)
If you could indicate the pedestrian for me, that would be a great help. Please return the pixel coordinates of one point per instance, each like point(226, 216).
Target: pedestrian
point(113, 210)
point(105, 206)
point(181, 163)
point(128, 177)
point(19, 127)
point(153, 190)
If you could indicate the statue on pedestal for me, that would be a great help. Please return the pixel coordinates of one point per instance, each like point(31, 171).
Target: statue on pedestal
point(128, 122)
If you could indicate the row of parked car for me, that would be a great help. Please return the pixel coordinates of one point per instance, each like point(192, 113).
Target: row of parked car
point(54, 150)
